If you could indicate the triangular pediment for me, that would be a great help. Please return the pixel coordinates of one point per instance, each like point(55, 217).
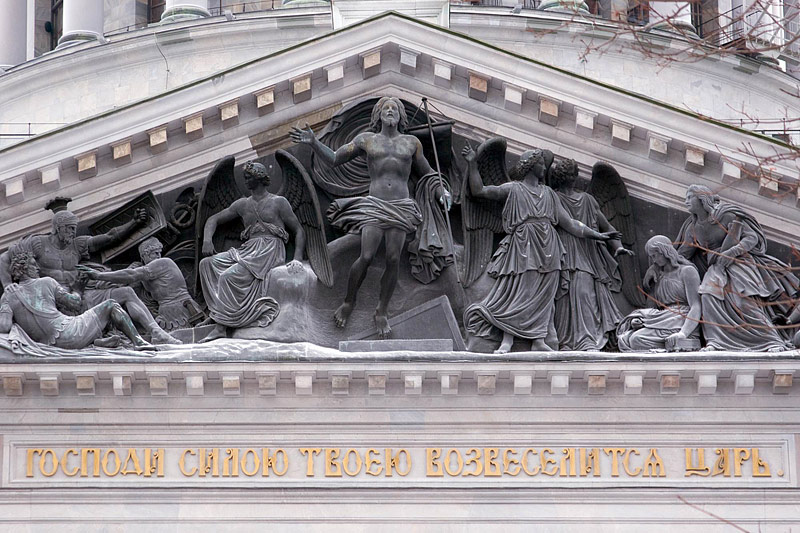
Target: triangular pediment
point(166, 142)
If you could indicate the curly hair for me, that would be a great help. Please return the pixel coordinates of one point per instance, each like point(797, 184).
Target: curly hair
point(375, 118)
point(706, 196)
point(662, 244)
point(257, 170)
point(527, 161)
point(149, 245)
point(563, 173)
point(19, 265)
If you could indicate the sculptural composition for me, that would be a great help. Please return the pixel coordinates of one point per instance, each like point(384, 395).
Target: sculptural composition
point(743, 288)
point(32, 303)
point(529, 264)
point(544, 262)
point(58, 255)
point(163, 281)
point(388, 213)
point(234, 282)
point(672, 322)
point(585, 309)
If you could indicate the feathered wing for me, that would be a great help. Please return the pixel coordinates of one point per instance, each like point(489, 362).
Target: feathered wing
point(299, 190)
point(483, 218)
point(610, 192)
point(219, 191)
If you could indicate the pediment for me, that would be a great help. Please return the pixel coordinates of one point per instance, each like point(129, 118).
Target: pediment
point(167, 142)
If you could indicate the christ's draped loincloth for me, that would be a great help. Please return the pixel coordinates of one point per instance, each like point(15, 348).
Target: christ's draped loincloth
point(353, 214)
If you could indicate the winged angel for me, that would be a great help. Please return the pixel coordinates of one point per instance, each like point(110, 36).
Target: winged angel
point(530, 264)
point(254, 235)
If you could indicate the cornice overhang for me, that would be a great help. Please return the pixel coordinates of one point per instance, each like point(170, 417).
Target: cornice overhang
point(517, 91)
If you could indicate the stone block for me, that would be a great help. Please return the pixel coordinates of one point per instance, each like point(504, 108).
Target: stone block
point(633, 382)
point(412, 382)
point(376, 384)
point(159, 384)
point(231, 384)
point(195, 383)
point(487, 383)
point(51, 176)
point(15, 190)
point(657, 146)
point(694, 158)
point(442, 73)
point(478, 86)
point(267, 383)
point(121, 152)
point(335, 75)
point(122, 383)
point(85, 384)
point(303, 383)
point(584, 121)
point(449, 382)
point(87, 164)
point(229, 113)
point(158, 139)
point(408, 61)
point(390, 345)
point(768, 184)
point(371, 63)
point(670, 383)
point(523, 383)
point(596, 384)
point(559, 383)
point(193, 126)
point(731, 171)
point(48, 384)
point(706, 383)
point(744, 382)
point(301, 88)
point(340, 383)
point(513, 97)
point(13, 385)
point(265, 100)
point(782, 382)
point(548, 110)
point(620, 134)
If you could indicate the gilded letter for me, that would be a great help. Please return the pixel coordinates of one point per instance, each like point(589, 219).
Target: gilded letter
point(106, 457)
point(43, 462)
point(508, 461)
point(526, 464)
point(701, 469)
point(65, 458)
point(153, 462)
point(332, 467)
point(310, 453)
point(615, 453)
point(394, 462)
point(491, 468)
point(626, 463)
point(433, 468)
point(29, 460)
point(230, 464)
point(548, 461)
point(131, 457)
point(569, 457)
point(209, 462)
point(284, 461)
point(740, 455)
point(474, 460)
point(95, 460)
point(256, 462)
point(370, 461)
point(760, 467)
point(723, 463)
point(586, 466)
point(182, 464)
point(346, 462)
point(449, 461)
point(653, 461)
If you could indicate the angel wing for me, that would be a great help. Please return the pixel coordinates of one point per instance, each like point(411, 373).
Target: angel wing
point(482, 218)
point(299, 190)
point(610, 192)
point(219, 191)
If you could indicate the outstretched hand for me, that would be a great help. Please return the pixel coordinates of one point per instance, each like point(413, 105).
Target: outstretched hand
point(304, 136)
point(86, 272)
point(208, 248)
point(622, 251)
point(446, 199)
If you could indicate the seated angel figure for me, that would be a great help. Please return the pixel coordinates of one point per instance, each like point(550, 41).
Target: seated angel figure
point(674, 324)
point(31, 302)
point(162, 279)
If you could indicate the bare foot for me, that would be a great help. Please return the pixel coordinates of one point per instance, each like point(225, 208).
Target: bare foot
point(108, 342)
point(342, 314)
point(143, 345)
point(505, 346)
point(538, 345)
point(382, 323)
point(219, 332)
point(159, 336)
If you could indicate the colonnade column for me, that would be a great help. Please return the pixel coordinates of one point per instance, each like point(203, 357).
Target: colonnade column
point(672, 16)
point(177, 10)
point(83, 21)
point(13, 37)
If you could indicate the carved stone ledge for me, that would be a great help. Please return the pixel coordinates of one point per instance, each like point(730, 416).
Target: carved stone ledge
point(121, 152)
point(584, 121)
point(304, 383)
point(85, 383)
point(370, 63)
point(408, 61)
point(376, 383)
point(301, 88)
point(229, 113)
point(193, 126)
point(694, 158)
point(87, 164)
point(412, 381)
point(559, 382)
point(706, 382)
point(13, 384)
point(122, 383)
point(449, 382)
point(195, 383)
point(51, 176)
point(670, 382)
point(487, 382)
point(159, 383)
point(596, 382)
point(657, 146)
point(48, 383)
point(549, 109)
point(634, 381)
point(267, 383)
point(231, 383)
point(513, 97)
point(340, 383)
point(620, 133)
point(15, 190)
point(335, 74)
point(158, 139)
point(265, 100)
point(442, 73)
point(478, 86)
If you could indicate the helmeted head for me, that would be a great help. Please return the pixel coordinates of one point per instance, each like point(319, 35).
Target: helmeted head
point(65, 226)
point(563, 174)
point(700, 198)
point(150, 250)
point(531, 160)
point(255, 174)
point(23, 266)
point(391, 110)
